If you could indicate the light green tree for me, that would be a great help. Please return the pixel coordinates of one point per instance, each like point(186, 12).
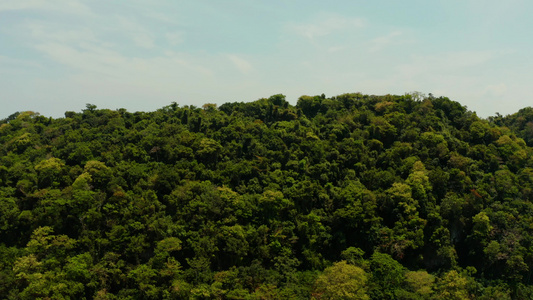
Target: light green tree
point(341, 281)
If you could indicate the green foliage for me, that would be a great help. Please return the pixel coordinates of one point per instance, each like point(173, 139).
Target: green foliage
point(341, 281)
point(452, 285)
point(387, 276)
point(420, 284)
point(258, 200)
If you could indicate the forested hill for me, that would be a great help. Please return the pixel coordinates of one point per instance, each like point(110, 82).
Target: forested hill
point(350, 197)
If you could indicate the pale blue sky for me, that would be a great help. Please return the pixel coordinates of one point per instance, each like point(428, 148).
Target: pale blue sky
point(58, 55)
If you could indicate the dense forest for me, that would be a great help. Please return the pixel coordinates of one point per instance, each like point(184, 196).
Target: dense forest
point(349, 197)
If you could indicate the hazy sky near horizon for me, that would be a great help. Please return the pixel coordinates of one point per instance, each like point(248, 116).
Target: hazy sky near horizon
point(59, 55)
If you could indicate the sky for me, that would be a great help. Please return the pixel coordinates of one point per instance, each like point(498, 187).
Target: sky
point(59, 55)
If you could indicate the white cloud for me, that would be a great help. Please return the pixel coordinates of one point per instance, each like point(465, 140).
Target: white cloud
point(325, 26)
point(496, 89)
point(138, 33)
point(381, 42)
point(91, 58)
point(9, 62)
point(196, 64)
point(175, 38)
point(240, 63)
point(89, 27)
point(67, 6)
point(334, 49)
point(444, 63)
point(102, 61)
point(144, 41)
point(45, 31)
point(7, 5)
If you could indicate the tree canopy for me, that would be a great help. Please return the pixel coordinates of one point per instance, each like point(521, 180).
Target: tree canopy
point(349, 197)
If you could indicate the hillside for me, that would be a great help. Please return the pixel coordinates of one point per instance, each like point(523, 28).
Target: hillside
point(349, 197)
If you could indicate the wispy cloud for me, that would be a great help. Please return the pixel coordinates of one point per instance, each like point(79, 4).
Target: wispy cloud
point(381, 42)
point(241, 64)
point(334, 49)
point(325, 26)
point(20, 5)
point(136, 32)
point(10, 66)
point(90, 59)
point(175, 38)
point(68, 6)
point(102, 61)
point(444, 63)
point(51, 32)
point(498, 89)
